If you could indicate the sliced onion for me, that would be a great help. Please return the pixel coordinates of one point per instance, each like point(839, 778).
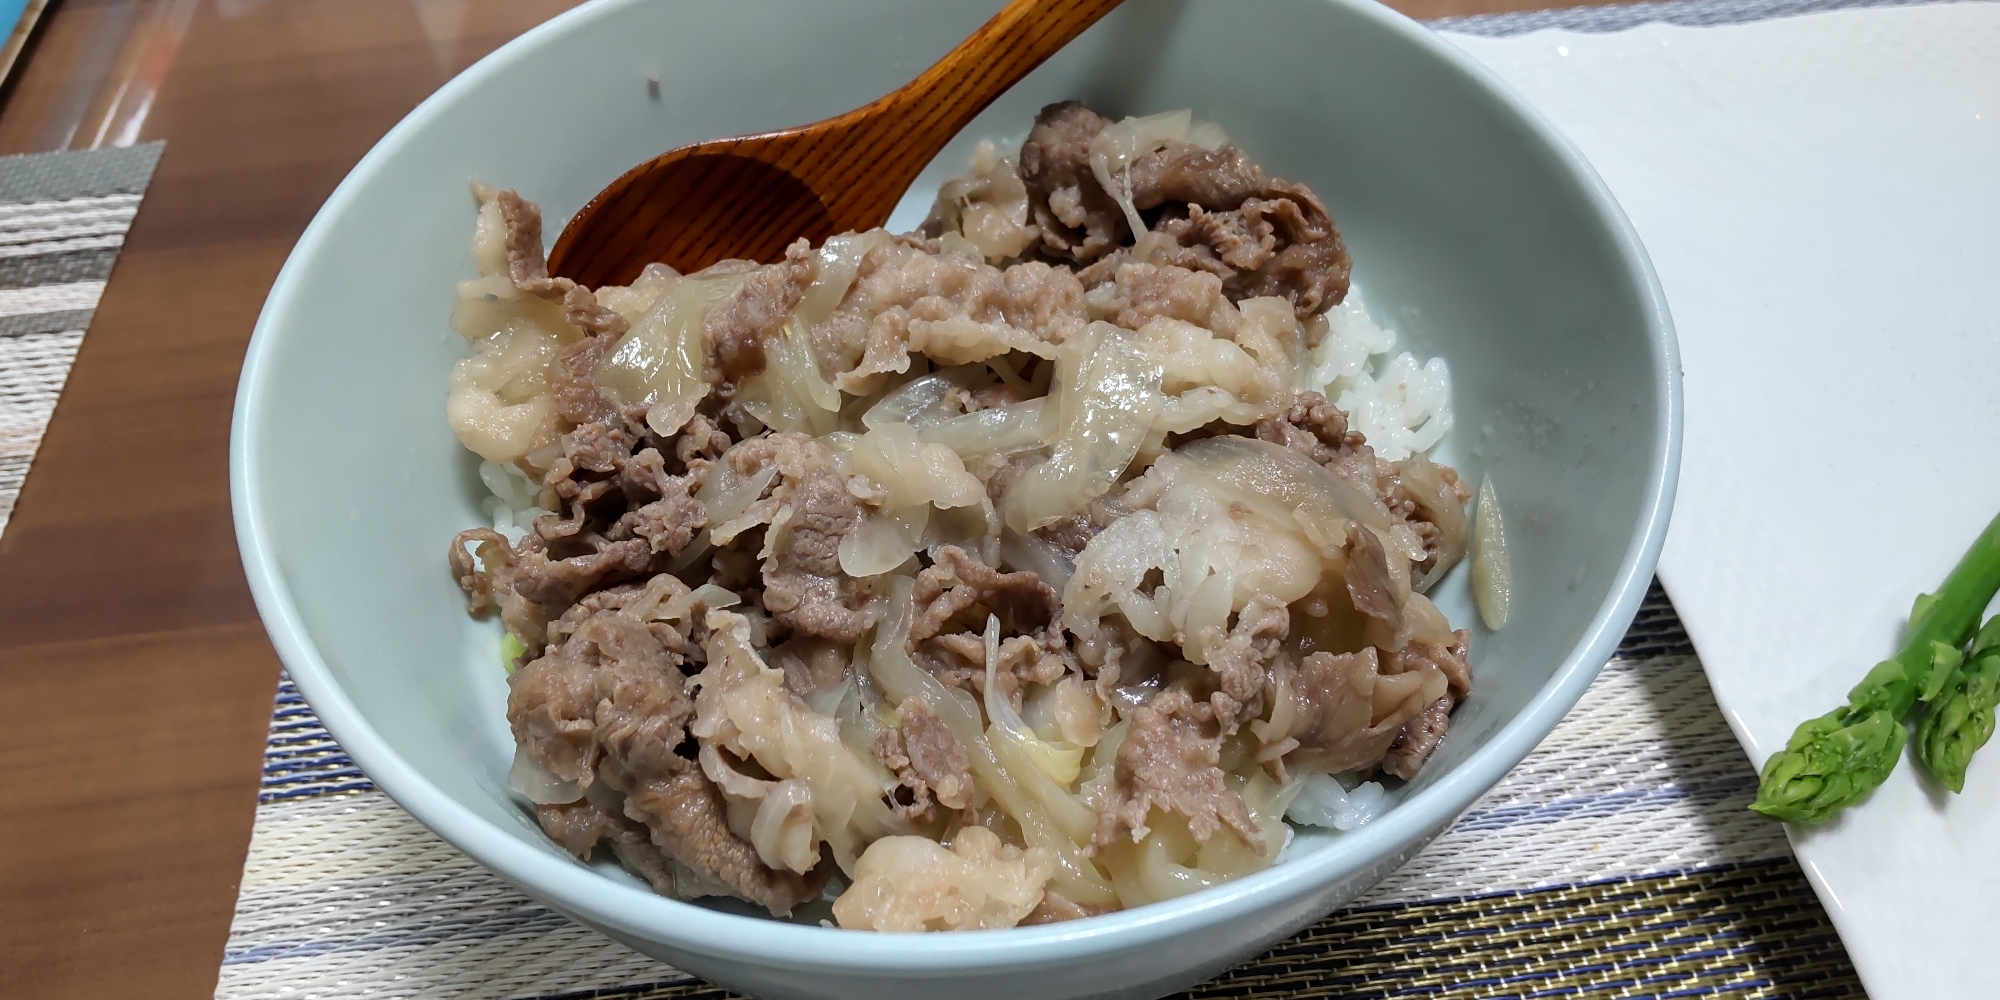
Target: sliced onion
point(1002, 430)
point(725, 496)
point(1280, 484)
point(708, 595)
point(1422, 621)
point(915, 402)
point(883, 540)
point(1113, 151)
point(1427, 487)
point(861, 713)
point(1207, 135)
point(1108, 574)
point(1107, 395)
point(1077, 877)
point(534, 781)
point(913, 472)
point(839, 260)
point(1036, 555)
point(790, 394)
point(659, 362)
point(1008, 731)
point(1492, 575)
point(782, 830)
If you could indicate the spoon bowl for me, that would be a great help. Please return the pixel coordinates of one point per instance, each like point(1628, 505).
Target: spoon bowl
point(748, 198)
point(718, 204)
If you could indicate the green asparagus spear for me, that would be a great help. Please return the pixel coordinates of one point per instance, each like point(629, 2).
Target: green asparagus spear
point(1960, 720)
point(1835, 760)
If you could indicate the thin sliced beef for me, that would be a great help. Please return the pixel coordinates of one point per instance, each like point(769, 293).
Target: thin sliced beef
point(577, 398)
point(1370, 588)
point(1430, 498)
point(689, 821)
point(627, 515)
point(1261, 236)
point(669, 523)
point(809, 664)
point(1312, 427)
point(1421, 735)
point(610, 683)
point(582, 825)
point(549, 580)
point(574, 380)
point(1217, 180)
point(951, 308)
point(1171, 759)
point(608, 701)
point(1347, 711)
point(486, 574)
point(804, 588)
point(1241, 662)
point(1426, 496)
point(927, 761)
point(734, 332)
point(578, 827)
point(1137, 291)
point(1069, 535)
point(528, 269)
point(1078, 221)
point(953, 598)
point(701, 438)
point(1216, 211)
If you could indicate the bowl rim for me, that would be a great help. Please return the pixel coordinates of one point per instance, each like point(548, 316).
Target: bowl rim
point(636, 912)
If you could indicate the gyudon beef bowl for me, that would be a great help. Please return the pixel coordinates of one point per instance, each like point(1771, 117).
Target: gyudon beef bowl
point(1217, 475)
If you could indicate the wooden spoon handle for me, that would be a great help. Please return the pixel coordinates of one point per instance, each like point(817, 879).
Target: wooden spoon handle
point(936, 105)
point(951, 93)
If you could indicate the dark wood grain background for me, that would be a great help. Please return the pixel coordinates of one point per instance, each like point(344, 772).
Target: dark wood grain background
point(135, 679)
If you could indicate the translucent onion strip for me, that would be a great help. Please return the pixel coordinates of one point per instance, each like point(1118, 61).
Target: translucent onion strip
point(725, 495)
point(1107, 394)
point(915, 402)
point(1427, 487)
point(659, 362)
point(1002, 430)
point(883, 540)
point(1076, 876)
point(1492, 575)
point(790, 394)
point(534, 781)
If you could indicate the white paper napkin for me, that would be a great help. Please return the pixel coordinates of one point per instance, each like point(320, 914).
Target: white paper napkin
point(1821, 196)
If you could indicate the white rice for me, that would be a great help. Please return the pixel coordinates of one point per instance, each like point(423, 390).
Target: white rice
point(1400, 404)
point(511, 507)
point(1323, 800)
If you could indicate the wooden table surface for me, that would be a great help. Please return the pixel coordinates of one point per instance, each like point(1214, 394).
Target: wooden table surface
point(135, 679)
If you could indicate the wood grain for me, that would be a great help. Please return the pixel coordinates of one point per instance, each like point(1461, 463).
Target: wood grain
point(17, 40)
point(748, 198)
point(135, 680)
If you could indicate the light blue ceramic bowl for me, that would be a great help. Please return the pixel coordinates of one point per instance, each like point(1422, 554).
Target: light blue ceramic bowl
point(1477, 231)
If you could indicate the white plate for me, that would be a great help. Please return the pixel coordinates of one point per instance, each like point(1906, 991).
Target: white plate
point(1821, 195)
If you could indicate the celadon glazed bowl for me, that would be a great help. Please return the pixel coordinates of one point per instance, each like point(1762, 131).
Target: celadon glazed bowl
point(1478, 233)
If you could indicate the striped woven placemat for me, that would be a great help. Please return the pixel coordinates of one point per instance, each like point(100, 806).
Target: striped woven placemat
point(63, 218)
point(1618, 860)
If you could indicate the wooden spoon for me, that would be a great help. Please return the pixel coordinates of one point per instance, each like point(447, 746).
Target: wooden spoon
point(750, 197)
